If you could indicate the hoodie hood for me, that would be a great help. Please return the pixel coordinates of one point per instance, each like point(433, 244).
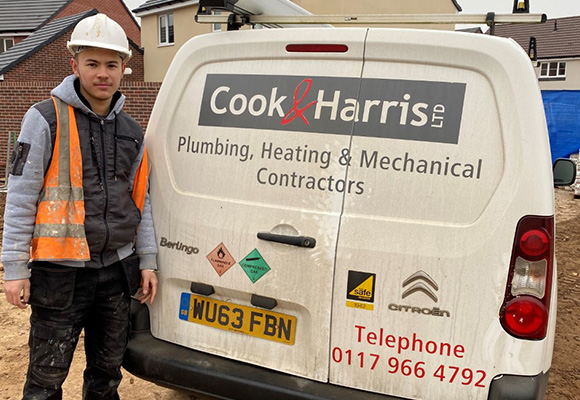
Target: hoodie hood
point(67, 93)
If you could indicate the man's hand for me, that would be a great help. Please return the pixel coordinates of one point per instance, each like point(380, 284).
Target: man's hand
point(18, 292)
point(149, 289)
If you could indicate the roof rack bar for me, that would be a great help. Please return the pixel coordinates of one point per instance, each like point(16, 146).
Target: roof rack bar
point(367, 19)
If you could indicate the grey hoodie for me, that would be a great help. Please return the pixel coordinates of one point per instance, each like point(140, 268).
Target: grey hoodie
point(24, 189)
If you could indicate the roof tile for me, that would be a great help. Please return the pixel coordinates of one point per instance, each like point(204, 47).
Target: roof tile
point(39, 39)
point(26, 15)
point(149, 4)
point(557, 38)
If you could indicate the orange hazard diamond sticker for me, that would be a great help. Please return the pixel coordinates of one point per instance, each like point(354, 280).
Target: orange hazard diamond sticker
point(220, 259)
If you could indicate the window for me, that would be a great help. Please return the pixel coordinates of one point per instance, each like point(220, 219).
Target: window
point(217, 27)
point(166, 29)
point(5, 44)
point(553, 70)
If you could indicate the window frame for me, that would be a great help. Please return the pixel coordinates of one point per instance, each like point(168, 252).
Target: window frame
point(166, 21)
point(4, 45)
point(558, 68)
point(216, 27)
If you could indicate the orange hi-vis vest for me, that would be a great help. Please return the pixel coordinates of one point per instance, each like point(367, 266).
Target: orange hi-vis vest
point(59, 231)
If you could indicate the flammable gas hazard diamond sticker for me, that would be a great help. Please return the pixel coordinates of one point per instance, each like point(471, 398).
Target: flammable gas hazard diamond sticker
point(254, 265)
point(220, 259)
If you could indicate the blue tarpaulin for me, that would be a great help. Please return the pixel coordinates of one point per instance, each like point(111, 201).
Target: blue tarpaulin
point(563, 117)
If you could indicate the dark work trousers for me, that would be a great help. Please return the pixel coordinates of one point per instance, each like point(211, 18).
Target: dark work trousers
point(65, 301)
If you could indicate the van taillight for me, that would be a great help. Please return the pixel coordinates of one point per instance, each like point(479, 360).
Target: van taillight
point(317, 48)
point(525, 316)
point(535, 242)
point(524, 312)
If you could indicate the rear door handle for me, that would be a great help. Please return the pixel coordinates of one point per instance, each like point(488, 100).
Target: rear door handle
point(300, 241)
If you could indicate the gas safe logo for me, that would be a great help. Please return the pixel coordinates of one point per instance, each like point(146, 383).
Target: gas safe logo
point(361, 286)
point(384, 108)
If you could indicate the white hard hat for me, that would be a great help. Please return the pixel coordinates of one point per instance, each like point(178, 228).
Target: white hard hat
point(102, 32)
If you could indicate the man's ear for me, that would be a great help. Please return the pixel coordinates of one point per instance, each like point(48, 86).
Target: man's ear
point(74, 66)
point(123, 68)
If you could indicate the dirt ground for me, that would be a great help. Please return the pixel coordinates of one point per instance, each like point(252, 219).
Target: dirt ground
point(564, 381)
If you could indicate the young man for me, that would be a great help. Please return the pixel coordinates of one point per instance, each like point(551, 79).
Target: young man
point(78, 234)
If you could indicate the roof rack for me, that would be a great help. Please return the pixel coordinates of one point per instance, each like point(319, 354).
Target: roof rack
point(235, 21)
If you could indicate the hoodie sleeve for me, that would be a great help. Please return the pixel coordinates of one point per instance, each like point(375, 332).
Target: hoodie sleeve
point(29, 162)
point(145, 245)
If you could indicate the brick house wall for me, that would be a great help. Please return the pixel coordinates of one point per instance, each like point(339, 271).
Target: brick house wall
point(140, 99)
point(113, 8)
point(32, 79)
point(18, 39)
point(17, 97)
point(52, 62)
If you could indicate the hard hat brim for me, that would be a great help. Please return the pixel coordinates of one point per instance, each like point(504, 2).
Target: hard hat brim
point(123, 53)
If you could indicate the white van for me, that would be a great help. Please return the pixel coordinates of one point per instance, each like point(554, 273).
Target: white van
point(350, 213)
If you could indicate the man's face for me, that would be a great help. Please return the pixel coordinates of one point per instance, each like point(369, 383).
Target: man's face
point(100, 72)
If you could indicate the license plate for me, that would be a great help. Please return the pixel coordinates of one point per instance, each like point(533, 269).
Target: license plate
point(232, 317)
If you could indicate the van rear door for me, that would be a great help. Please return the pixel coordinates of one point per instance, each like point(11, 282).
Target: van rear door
point(450, 159)
point(247, 193)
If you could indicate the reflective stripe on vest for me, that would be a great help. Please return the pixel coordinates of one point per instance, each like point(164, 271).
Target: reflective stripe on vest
point(59, 232)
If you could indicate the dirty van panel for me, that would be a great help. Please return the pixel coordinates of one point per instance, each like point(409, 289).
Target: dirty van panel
point(238, 154)
point(450, 159)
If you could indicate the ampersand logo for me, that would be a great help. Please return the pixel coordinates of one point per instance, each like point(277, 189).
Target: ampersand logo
point(295, 111)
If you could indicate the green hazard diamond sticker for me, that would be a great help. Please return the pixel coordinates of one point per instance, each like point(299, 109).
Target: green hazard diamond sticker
point(254, 265)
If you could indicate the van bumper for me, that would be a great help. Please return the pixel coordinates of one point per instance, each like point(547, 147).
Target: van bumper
point(514, 387)
point(181, 368)
point(177, 367)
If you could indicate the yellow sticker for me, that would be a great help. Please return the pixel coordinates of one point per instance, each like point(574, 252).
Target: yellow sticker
point(361, 286)
point(360, 306)
point(364, 290)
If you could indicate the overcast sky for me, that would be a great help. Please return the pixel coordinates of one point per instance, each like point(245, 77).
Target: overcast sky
point(552, 8)
point(133, 4)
